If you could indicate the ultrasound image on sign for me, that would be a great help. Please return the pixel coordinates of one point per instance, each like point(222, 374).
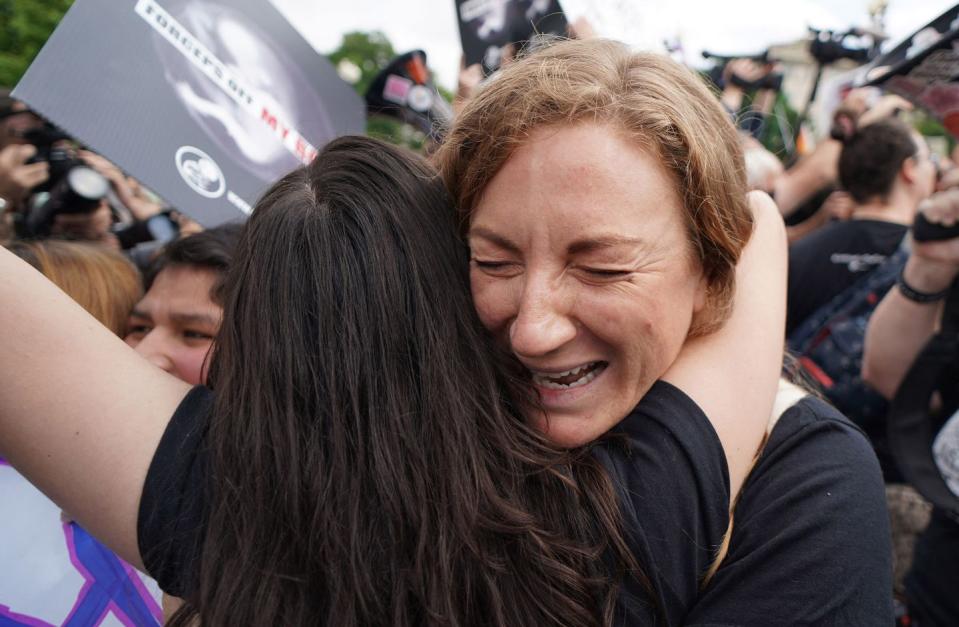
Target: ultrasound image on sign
point(486, 26)
point(207, 102)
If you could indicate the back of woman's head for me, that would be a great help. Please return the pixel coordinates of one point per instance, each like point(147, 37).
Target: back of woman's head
point(872, 156)
point(663, 106)
point(102, 281)
point(368, 468)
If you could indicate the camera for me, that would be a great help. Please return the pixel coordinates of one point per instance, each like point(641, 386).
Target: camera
point(828, 47)
point(769, 80)
point(72, 186)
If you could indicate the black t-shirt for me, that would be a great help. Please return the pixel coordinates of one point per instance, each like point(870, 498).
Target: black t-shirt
point(931, 583)
point(823, 264)
point(810, 543)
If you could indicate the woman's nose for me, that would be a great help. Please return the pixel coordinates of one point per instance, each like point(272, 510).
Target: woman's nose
point(542, 323)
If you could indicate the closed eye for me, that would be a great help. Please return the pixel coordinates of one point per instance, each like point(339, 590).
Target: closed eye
point(496, 268)
point(606, 273)
point(490, 264)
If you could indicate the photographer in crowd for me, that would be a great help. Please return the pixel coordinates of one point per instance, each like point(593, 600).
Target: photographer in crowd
point(50, 188)
point(17, 175)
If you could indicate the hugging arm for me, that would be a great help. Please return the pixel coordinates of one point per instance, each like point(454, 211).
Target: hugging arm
point(80, 413)
point(732, 374)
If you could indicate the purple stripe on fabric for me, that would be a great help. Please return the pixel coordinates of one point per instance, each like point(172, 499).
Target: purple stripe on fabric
point(8, 617)
point(75, 560)
point(151, 602)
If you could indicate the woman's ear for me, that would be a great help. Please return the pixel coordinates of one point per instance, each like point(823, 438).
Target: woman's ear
point(702, 296)
point(707, 314)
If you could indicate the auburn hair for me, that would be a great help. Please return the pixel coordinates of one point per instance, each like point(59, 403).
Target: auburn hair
point(102, 281)
point(666, 108)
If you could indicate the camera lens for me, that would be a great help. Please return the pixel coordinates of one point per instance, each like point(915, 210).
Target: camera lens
point(87, 183)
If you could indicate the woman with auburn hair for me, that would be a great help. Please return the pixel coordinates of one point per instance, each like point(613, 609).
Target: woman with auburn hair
point(102, 281)
point(603, 196)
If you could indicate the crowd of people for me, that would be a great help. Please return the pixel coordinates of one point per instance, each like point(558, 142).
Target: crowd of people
point(536, 378)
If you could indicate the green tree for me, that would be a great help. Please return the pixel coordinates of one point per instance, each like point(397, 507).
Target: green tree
point(24, 27)
point(369, 52)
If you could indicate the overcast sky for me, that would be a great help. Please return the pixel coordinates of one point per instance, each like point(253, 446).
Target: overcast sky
point(736, 26)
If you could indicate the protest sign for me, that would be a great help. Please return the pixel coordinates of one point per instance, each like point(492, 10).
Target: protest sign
point(488, 27)
point(205, 102)
point(55, 573)
point(405, 90)
point(924, 69)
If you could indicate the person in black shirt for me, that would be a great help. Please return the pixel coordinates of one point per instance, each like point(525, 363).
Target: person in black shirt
point(886, 168)
point(583, 197)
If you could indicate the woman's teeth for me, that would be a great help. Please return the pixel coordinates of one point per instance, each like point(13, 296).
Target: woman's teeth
point(571, 378)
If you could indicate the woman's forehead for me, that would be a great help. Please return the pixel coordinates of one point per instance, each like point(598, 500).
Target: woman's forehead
point(580, 168)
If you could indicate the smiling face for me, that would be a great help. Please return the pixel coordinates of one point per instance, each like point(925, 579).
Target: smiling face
point(581, 265)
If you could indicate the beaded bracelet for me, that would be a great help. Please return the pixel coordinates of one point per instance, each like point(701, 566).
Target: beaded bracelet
point(910, 293)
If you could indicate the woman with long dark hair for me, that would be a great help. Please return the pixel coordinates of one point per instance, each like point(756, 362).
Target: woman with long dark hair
point(374, 440)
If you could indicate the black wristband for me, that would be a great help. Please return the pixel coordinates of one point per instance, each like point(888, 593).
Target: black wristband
point(916, 296)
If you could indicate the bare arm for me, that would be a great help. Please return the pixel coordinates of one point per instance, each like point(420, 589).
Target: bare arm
point(733, 374)
point(80, 413)
point(899, 327)
point(812, 173)
point(897, 331)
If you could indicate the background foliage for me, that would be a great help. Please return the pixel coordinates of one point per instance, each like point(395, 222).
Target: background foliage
point(24, 27)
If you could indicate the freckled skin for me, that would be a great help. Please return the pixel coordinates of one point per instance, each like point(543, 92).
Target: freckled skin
point(556, 299)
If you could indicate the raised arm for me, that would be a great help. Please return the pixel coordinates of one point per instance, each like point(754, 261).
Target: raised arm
point(732, 374)
point(900, 326)
point(80, 413)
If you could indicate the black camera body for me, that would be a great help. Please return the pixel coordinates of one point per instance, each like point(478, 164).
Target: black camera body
point(828, 47)
point(72, 186)
point(44, 139)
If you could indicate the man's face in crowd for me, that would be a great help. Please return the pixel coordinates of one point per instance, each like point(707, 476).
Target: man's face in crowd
point(174, 324)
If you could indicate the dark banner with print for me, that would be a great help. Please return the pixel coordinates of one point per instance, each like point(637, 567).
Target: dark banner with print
point(490, 29)
point(925, 69)
point(205, 102)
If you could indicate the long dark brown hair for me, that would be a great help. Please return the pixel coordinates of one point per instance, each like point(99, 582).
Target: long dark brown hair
point(369, 462)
